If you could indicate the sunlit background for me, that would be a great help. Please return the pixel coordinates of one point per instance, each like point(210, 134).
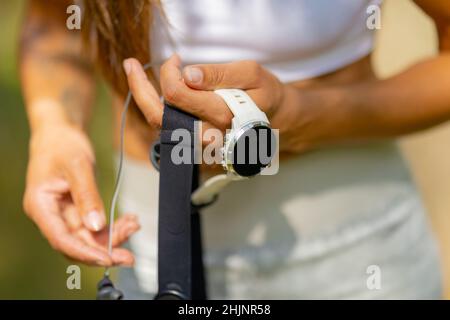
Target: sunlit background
point(29, 269)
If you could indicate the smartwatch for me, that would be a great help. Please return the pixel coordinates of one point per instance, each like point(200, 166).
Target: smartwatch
point(249, 145)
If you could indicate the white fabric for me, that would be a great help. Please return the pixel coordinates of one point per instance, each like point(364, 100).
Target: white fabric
point(310, 231)
point(294, 39)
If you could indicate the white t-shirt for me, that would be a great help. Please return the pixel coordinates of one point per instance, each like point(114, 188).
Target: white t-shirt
point(294, 39)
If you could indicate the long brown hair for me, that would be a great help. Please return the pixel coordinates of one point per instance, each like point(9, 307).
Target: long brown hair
point(114, 30)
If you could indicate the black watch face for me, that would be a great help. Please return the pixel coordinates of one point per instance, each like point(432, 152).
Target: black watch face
point(253, 151)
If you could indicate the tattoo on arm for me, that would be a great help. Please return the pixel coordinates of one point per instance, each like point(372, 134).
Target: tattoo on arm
point(59, 65)
point(30, 35)
point(53, 61)
point(74, 60)
point(75, 103)
point(53, 64)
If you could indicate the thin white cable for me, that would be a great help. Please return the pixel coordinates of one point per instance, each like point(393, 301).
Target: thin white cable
point(112, 209)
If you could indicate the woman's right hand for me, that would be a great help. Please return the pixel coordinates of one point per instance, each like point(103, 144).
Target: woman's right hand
point(61, 197)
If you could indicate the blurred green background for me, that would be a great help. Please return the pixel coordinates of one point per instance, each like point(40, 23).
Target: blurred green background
point(29, 268)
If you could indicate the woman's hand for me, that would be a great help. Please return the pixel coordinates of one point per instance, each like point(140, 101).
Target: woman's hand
point(61, 197)
point(289, 109)
point(191, 89)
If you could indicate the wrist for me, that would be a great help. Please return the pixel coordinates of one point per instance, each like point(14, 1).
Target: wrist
point(63, 140)
point(312, 117)
point(47, 113)
point(290, 119)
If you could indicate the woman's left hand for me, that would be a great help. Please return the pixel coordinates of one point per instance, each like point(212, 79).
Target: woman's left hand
point(191, 89)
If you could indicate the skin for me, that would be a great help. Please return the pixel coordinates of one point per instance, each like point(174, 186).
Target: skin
point(346, 106)
point(61, 194)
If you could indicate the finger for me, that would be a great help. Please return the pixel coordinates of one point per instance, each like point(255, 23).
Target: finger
point(77, 250)
point(239, 75)
point(124, 227)
point(71, 217)
point(118, 256)
point(54, 189)
point(205, 105)
point(143, 92)
point(122, 257)
point(84, 192)
point(47, 218)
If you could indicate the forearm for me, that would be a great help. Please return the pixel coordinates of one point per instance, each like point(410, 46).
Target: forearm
point(413, 100)
point(57, 83)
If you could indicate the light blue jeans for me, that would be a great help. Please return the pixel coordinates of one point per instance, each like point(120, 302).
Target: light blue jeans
point(343, 223)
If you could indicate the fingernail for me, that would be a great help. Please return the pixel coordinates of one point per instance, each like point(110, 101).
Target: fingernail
point(194, 75)
point(127, 66)
point(94, 220)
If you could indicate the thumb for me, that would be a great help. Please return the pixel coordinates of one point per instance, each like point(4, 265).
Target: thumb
point(84, 192)
point(240, 75)
point(145, 95)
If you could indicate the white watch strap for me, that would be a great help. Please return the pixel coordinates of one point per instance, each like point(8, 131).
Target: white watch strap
point(242, 106)
point(244, 111)
point(210, 188)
